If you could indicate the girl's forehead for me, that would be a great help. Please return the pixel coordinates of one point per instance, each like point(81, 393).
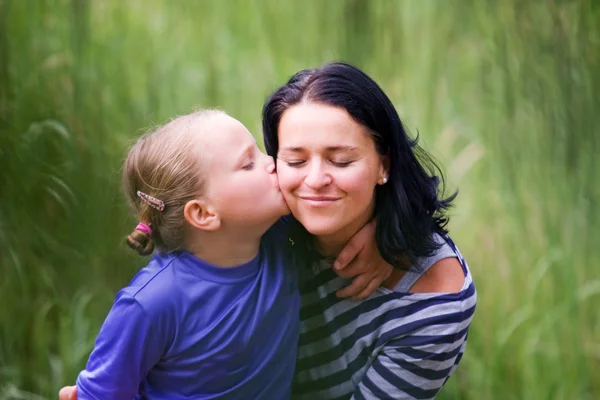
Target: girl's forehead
point(227, 131)
point(220, 141)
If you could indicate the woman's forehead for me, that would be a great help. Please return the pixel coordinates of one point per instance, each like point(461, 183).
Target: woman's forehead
point(316, 115)
point(323, 126)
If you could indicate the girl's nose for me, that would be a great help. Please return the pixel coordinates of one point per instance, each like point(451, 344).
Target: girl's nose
point(270, 165)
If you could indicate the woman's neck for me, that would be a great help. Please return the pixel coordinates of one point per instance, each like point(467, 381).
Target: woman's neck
point(331, 245)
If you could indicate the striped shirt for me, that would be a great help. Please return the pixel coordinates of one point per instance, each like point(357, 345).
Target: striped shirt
point(392, 345)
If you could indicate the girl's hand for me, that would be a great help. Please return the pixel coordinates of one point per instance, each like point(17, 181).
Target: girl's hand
point(361, 259)
point(68, 393)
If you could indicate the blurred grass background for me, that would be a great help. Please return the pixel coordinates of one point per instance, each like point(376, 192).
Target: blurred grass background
point(505, 95)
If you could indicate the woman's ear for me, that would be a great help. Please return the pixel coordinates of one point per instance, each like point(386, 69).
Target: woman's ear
point(384, 170)
point(201, 215)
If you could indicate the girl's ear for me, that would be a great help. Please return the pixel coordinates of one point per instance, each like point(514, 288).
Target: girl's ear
point(201, 215)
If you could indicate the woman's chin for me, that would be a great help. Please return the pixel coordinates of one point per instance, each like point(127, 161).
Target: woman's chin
point(320, 229)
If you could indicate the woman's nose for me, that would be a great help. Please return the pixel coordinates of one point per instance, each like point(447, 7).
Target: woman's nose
point(317, 177)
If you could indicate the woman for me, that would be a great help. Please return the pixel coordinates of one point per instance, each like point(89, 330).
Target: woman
point(343, 157)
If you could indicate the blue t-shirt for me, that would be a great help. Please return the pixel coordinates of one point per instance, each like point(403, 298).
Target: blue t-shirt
point(185, 329)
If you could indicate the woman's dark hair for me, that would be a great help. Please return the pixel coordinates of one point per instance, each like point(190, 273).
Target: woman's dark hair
point(408, 207)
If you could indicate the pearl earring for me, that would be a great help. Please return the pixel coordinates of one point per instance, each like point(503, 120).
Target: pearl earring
point(384, 181)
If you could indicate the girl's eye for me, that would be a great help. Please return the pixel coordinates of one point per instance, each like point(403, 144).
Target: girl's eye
point(248, 166)
point(341, 164)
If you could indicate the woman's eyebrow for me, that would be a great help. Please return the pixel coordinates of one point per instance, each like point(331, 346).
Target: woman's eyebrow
point(292, 149)
point(331, 149)
point(341, 148)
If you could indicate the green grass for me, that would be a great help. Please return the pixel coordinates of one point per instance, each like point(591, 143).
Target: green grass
point(505, 94)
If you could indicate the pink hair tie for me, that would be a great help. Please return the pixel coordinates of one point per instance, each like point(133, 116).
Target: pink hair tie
point(143, 227)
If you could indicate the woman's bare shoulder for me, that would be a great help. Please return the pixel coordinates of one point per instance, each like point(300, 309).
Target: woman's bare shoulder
point(445, 276)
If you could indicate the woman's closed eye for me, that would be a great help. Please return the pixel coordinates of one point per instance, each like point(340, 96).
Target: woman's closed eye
point(294, 163)
point(341, 163)
point(337, 163)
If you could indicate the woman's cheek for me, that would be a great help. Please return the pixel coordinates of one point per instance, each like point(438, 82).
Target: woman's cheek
point(353, 180)
point(286, 186)
point(288, 179)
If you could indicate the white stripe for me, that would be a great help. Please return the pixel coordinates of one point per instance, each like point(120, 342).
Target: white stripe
point(364, 319)
point(348, 304)
point(345, 305)
point(341, 363)
point(415, 380)
point(427, 363)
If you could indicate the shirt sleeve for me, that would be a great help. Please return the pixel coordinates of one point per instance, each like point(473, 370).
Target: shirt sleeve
point(125, 350)
point(414, 366)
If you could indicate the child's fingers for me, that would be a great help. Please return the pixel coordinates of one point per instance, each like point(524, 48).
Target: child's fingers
point(356, 244)
point(68, 393)
point(355, 268)
point(359, 284)
point(347, 254)
point(371, 287)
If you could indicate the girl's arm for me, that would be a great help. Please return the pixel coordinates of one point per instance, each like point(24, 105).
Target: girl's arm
point(125, 350)
point(361, 259)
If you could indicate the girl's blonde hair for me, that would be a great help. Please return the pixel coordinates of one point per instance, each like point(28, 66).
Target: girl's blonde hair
point(165, 164)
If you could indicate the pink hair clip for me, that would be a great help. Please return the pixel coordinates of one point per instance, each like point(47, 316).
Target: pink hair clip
point(151, 201)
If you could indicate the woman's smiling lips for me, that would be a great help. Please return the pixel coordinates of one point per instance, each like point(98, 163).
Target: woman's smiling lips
point(318, 201)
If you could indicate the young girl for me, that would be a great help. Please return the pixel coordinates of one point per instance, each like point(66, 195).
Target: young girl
point(215, 314)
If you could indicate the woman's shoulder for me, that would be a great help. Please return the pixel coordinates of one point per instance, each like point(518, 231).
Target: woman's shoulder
point(444, 271)
point(444, 276)
point(280, 231)
point(442, 298)
point(278, 244)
